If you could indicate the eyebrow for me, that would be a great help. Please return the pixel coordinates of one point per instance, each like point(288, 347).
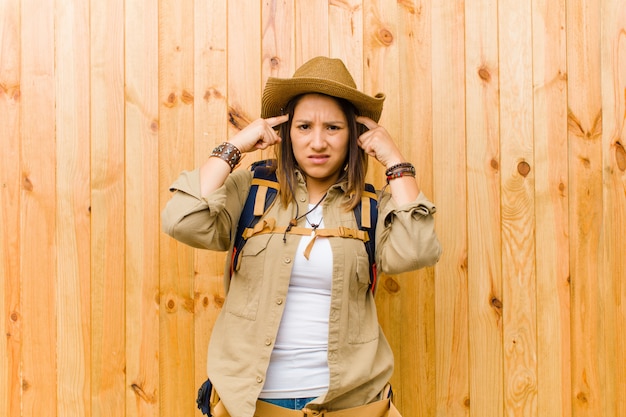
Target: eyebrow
point(332, 122)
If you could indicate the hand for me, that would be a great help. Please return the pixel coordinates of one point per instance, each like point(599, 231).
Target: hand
point(377, 142)
point(259, 134)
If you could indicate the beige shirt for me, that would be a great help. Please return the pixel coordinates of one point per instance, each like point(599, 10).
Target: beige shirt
point(359, 357)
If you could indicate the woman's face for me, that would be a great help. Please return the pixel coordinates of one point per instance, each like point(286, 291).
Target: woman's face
point(319, 139)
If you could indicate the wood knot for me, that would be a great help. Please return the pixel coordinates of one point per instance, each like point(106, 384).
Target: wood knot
point(575, 126)
point(170, 305)
point(484, 74)
point(392, 285)
point(464, 264)
point(385, 36)
point(154, 126)
point(496, 304)
point(186, 97)
point(27, 184)
point(139, 391)
point(237, 118)
point(171, 100)
point(274, 62)
point(217, 94)
point(188, 304)
point(205, 302)
point(582, 397)
point(14, 316)
point(523, 168)
point(212, 93)
point(495, 165)
point(620, 156)
point(218, 300)
point(12, 92)
point(409, 6)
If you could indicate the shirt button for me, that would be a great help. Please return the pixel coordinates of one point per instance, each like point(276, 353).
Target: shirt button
point(268, 342)
point(302, 199)
point(279, 301)
point(287, 260)
point(259, 379)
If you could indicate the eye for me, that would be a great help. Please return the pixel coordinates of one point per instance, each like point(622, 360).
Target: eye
point(303, 126)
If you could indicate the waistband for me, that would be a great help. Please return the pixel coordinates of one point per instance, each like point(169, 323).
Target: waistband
point(381, 408)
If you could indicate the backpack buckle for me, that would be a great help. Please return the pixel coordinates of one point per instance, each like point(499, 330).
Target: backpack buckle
point(347, 232)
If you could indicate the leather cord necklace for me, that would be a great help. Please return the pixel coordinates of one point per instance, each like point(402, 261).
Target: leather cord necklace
point(294, 222)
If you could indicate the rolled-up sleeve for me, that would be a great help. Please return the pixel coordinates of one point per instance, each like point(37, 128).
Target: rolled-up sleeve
point(204, 222)
point(406, 238)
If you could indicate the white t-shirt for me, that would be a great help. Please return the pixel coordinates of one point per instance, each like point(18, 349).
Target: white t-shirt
point(299, 366)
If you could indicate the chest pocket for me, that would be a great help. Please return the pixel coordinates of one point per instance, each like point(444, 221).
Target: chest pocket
point(362, 317)
point(244, 292)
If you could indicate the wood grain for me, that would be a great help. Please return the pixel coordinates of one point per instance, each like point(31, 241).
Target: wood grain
point(73, 237)
point(107, 210)
point(10, 191)
point(278, 38)
point(244, 68)
point(485, 293)
point(416, 363)
point(312, 30)
point(449, 168)
point(390, 67)
point(38, 200)
point(518, 216)
point(585, 203)
point(612, 288)
point(345, 25)
point(210, 129)
point(551, 202)
point(143, 187)
point(176, 152)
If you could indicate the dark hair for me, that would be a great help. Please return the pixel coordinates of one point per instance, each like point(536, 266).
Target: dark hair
point(356, 160)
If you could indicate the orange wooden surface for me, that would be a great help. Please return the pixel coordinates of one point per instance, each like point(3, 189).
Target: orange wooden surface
point(514, 114)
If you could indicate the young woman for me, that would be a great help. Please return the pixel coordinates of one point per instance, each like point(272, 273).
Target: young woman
point(299, 327)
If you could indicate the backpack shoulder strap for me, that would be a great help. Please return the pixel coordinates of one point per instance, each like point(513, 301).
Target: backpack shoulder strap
point(263, 191)
point(366, 214)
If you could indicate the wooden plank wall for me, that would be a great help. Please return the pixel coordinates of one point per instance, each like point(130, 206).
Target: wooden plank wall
point(514, 113)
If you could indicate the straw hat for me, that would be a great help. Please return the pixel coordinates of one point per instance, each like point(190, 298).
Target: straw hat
point(319, 75)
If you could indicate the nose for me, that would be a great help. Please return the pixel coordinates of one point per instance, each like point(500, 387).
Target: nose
point(318, 139)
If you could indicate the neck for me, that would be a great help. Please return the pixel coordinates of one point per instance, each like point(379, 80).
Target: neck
point(316, 195)
point(318, 190)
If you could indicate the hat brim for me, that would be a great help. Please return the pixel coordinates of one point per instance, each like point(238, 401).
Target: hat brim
point(278, 92)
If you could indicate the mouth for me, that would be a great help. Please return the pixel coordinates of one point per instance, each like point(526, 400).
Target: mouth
point(318, 159)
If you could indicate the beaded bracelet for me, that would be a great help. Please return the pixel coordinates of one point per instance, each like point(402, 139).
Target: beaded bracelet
point(395, 167)
point(229, 153)
point(400, 173)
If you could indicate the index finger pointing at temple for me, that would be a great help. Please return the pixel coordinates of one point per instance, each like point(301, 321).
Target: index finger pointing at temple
point(277, 120)
point(367, 122)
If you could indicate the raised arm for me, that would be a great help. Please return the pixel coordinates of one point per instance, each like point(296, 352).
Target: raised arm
point(259, 134)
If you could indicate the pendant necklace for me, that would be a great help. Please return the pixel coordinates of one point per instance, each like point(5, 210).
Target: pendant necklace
point(293, 222)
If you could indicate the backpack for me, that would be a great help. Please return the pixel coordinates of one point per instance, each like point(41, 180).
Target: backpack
point(264, 190)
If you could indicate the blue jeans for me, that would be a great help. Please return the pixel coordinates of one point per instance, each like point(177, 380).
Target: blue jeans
point(291, 403)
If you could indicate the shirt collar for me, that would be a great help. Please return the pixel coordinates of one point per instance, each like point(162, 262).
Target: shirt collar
point(341, 185)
